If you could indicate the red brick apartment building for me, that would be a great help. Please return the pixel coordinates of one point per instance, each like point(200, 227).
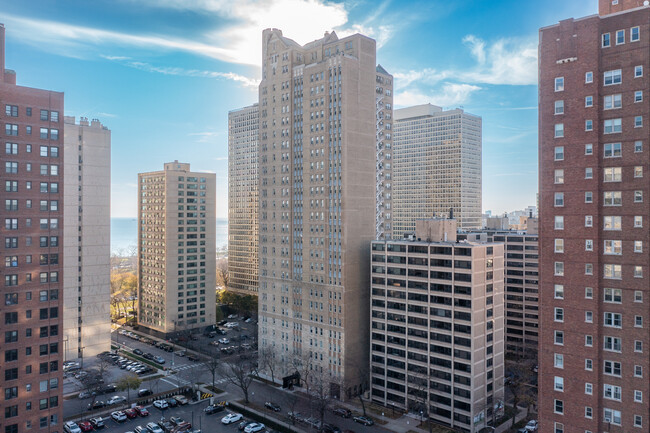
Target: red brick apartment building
point(30, 312)
point(594, 150)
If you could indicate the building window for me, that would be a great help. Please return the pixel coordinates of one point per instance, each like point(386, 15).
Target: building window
point(559, 130)
point(559, 361)
point(612, 102)
point(638, 272)
point(559, 314)
point(638, 371)
point(638, 221)
point(634, 34)
point(559, 291)
point(638, 321)
point(588, 412)
point(620, 37)
point(559, 199)
point(613, 247)
point(612, 272)
point(589, 77)
point(559, 176)
point(613, 320)
point(612, 126)
point(613, 77)
point(589, 340)
point(638, 246)
point(589, 364)
point(589, 101)
point(559, 269)
point(638, 146)
point(589, 245)
point(612, 344)
point(612, 368)
point(638, 96)
point(612, 198)
point(589, 197)
point(589, 149)
point(638, 71)
point(559, 245)
point(638, 196)
point(559, 427)
point(589, 125)
point(559, 84)
point(589, 293)
point(559, 222)
point(638, 121)
point(638, 421)
point(559, 406)
point(612, 392)
point(613, 296)
point(559, 338)
point(589, 316)
point(638, 171)
point(589, 173)
point(606, 40)
point(589, 269)
point(559, 384)
point(559, 153)
point(559, 107)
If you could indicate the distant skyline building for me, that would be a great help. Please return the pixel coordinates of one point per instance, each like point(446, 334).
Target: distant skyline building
point(437, 326)
point(32, 305)
point(87, 234)
point(317, 185)
point(437, 166)
point(176, 249)
point(594, 240)
point(243, 199)
point(384, 169)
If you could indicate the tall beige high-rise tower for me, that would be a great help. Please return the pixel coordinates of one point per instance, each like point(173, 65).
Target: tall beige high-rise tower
point(436, 167)
point(176, 249)
point(86, 240)
point(317, 188)
point(243, 199)
point(384, 168)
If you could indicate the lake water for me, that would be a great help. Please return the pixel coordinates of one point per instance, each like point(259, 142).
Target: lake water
point(124, 234)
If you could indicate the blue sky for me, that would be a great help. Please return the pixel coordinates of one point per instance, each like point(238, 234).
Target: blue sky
point(163, 74)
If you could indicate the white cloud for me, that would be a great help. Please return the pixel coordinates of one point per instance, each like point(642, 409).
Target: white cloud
point(450, 95)
point(506, 61)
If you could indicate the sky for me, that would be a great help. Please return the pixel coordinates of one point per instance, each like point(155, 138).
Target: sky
point(163, 74)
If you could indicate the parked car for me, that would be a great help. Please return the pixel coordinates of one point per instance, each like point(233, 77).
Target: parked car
point(144, 392)
point(176, 420)
point(166, 426)
point(97, 422)
point(330, 428)
point(71, 427)
point(231, 418)
point(86, 394)
point(107, 389)
point(85, 426)
point(192, 358)
point(363, 420)
point(531, 426)
point(182, 427)
point(254, 427)
point(154, 428)
point(181, 353)
point(96, 405)
point(181, 399)
point(295, 416)
point(138, 352)
point(274, 407)
point(140, 429)
point(160, 404)
point(159, 359)
point(342, 412)
point(171, 402)
point(148, 355)
point(224, 340)
point(116, 399)
point(242, 425)
point(142, 411)
point(213, 408)
point(118, 416)
point(131, 413)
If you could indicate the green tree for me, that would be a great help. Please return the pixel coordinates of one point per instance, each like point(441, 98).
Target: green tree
point(127, 383)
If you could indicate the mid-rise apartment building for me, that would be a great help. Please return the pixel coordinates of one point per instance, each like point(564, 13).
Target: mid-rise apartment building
point(317, 186)
point(593, 151)
point(436, 167)
point(243, 199)
point(176, 249)
point(384, 168)
point(521, 285)
point(437, 326)
point(31, 311)
point(86, 238)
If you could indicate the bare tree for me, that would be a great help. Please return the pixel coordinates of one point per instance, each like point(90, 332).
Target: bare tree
point(320, 394)
point(241, 374)
point(222, 272)
point(360, 373)
point(291, 401)
point(212, 366)
point(302, 364)
point(268, 360)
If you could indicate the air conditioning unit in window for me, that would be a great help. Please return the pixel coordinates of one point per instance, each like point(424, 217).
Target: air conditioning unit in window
point(608, 419)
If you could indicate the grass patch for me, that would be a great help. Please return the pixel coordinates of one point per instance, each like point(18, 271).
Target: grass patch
point(435, 428)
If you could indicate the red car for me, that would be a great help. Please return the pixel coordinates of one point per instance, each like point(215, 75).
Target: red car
point(183, 427)
point(142, 411)
point(131, 413)
point(85, 426)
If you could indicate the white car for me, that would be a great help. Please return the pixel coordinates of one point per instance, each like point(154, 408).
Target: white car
point(118, 416)
point(224, 340)
point(254, 428)
point(116, 399)
point(531, 426)
point(154, 428)
point(160, 404)
point(71, 427)
point(231, 418)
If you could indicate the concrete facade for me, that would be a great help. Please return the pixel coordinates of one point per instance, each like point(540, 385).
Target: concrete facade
point(32, 307)
point(176, 249)
point(243, 199)
point(593, 152)
point(317, 204)
point(384, 168)
point(436, 167)
point(437, 327)
point(86, 238)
